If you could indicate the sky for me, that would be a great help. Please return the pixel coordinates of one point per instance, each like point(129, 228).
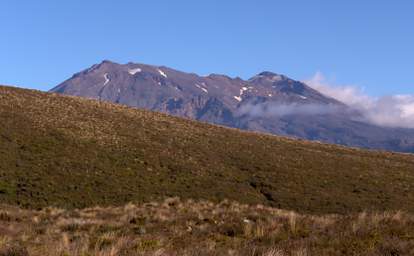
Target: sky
point(367, 45)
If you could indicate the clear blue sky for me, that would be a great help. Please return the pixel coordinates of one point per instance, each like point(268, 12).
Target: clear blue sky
point(367, 43)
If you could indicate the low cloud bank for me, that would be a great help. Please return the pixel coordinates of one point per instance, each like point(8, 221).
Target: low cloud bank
point(279, 110)
point(391, 111)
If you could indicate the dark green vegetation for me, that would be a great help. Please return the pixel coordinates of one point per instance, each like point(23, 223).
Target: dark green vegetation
point(71, 152)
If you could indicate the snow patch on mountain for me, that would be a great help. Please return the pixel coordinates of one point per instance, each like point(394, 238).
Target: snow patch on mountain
point(162, 73)
point(106, 79)
point(238, 98)
point(242, 90)
point(276, 78)
point(134, 71)
point(202, 88)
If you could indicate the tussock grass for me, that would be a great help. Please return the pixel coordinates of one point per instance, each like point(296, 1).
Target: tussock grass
point(188, 227)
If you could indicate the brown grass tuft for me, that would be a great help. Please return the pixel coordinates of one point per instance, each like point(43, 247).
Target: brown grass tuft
point(179, 227)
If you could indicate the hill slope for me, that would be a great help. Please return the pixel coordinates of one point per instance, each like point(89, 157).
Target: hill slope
point(73, 152)
point(267, 102)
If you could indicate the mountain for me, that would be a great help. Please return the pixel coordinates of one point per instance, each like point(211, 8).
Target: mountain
point(214, 98)
point(267, 102)
point(66, 151)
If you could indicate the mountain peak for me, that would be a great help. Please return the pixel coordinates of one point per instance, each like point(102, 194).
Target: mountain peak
point(107, 62)
point(270, 76)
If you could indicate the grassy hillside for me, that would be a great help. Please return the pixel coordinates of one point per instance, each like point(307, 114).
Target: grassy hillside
point(72, 152)
point(191, 228)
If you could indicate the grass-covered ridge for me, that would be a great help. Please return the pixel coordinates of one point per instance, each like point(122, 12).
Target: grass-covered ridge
point(176, 227)
point(71, 152)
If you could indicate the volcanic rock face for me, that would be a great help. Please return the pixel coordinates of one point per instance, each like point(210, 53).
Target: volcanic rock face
point(267, 102)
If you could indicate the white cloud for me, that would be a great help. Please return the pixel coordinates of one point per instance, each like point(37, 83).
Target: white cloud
point(392, 111)
point(271, 109)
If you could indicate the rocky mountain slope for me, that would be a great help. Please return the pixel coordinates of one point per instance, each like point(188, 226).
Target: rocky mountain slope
point(267, 102)
point(65, 151)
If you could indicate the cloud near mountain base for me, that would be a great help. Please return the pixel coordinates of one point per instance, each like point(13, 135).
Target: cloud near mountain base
point(280, 110)
point(391, 111)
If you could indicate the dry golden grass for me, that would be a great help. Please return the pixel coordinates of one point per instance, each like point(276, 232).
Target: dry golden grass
point(176, 227)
